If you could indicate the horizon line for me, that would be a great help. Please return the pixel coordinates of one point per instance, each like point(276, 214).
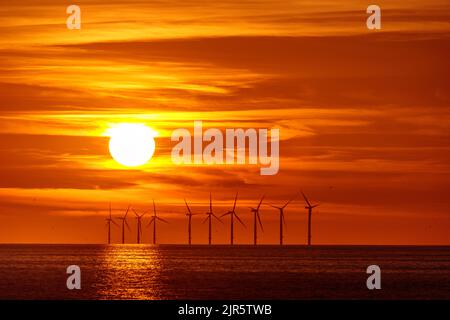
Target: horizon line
point(229, 245)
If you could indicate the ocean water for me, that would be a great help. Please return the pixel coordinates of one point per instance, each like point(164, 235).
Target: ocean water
point(223, 272)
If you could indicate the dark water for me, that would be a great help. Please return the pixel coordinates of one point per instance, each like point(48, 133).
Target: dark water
point(223, 272)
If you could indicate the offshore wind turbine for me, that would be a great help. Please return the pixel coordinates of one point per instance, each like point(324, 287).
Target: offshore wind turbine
point(210, 214)
point(124, 223)
point(189, 214)
point(110, 220)
point(153, 220)
point(282, 221)
point(233, 215)
point(256, 217)
point(309, 206)
point(139, 225)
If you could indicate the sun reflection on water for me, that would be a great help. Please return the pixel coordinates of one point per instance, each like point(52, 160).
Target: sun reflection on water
point(129, 272)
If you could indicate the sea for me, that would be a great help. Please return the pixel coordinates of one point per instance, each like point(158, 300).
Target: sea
point(240, 272)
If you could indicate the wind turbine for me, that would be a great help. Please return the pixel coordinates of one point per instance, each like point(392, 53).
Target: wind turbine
point(153, 220)
point(210, 214)
point(124, 223)
point(108, 224)
point(189, 214)
point(256, 216)
point(139, 225)
point(309, 207)
point(282, 221)
point(233, 214)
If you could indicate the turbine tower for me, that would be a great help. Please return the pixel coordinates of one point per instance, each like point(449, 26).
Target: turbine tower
point(108, 224)
point(139, 225)
point(282, 221)
point(124, 223)
point(210, 214)
point(233, 214)
point(153, 220)
point(256, 217)
point(189, 214)
point(309, 207)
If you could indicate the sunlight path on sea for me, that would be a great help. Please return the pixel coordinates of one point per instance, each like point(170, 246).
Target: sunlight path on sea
point(129, 272)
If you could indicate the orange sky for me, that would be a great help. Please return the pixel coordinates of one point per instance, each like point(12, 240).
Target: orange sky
point(363, 116)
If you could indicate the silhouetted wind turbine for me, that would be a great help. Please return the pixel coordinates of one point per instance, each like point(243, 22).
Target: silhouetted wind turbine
point(233, 214)
point(189, 214)
point(282, 222)
point(139, 225)
point(210, 214)
point(153, 220)
point(256, 216)
point(124, 223)
point(309, 207)
point(108, 224)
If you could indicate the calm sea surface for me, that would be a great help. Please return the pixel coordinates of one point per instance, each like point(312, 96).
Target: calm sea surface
point(223, 272)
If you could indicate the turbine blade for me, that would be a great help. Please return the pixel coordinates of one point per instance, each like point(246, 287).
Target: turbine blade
point(210, 202)
point(239, 219)
point(286, 204)
point(206, 219)
point(187, 206)
point(116, 224)
point(275, 207)
point(225, 214)
point(306, 199)
point(126, 224)
point(259, 220)
point(316, 205)
point(135, 213)
point(163, 220)
point(259, 205)
point(154, 208)
point(235, 200)
point(217, 218)
point(128, 209)
point(151, 221)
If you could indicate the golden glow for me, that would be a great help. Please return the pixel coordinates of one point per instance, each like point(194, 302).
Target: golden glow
point(131, 145)
point(356, 134)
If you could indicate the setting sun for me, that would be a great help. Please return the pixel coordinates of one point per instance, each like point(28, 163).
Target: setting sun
point(131, 145)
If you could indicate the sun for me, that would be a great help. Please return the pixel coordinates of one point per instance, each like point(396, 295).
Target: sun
point(131, 144)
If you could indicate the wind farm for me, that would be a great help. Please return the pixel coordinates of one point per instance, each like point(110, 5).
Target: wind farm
point(255, 217)
point(148, 268)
